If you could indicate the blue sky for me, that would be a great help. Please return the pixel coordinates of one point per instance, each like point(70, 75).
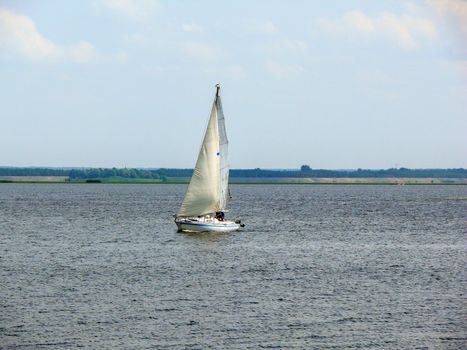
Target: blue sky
point(348, 84)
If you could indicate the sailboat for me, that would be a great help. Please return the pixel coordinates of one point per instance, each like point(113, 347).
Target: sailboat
point(208, 193)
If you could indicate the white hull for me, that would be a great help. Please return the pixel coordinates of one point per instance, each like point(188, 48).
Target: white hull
point(188, 225)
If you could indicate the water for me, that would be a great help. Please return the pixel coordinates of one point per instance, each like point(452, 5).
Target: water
point(324, 267)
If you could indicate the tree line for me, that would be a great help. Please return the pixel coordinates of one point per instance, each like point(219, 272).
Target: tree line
point(86, 173)
point(164, 173)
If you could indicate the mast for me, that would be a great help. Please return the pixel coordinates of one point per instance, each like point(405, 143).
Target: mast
point(218, 91)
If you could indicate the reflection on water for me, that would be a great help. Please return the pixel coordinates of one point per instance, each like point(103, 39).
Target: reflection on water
point(328, 267)
point(206, 236)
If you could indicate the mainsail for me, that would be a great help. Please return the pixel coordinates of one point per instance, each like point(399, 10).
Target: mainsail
point(208, 189)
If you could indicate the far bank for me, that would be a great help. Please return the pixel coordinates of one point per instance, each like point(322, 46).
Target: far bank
point(244, 180)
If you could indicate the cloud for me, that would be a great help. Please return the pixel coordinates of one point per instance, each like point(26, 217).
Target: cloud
point(19, 36)
point(284, 70)
point(200, 50)
point(405, 30)
point(454, 12)
point(137, 10)
point(456, 9)
point(191, 28)
point(261, 27)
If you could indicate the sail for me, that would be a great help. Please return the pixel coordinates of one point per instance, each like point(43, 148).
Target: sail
point(208, 188)
point(223, 150)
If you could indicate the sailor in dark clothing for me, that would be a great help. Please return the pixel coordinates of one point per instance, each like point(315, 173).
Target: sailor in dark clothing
point(220, 215)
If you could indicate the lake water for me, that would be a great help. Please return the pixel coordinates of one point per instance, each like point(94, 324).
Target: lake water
point(316, 267)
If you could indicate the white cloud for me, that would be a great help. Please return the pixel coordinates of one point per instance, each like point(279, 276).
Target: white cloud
point(19, 36)
point(359, 21)
point(456, 9)
point(261, 27)
point(405, 30)
point(284, 70)
point(191, 28)
point(200, 50)
point(137, 10)
point(454, 12)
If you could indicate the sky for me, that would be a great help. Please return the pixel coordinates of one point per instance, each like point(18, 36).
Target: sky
point(331, 84)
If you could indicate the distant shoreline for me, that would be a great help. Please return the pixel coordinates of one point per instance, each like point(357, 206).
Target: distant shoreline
point(387, 180)
point(350, 183)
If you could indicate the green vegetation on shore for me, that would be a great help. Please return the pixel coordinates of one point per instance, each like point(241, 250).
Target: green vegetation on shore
point(163, 174)
point(303, 176)
point(156, 182)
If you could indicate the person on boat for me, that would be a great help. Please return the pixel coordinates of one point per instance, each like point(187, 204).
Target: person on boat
point(220, 215)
